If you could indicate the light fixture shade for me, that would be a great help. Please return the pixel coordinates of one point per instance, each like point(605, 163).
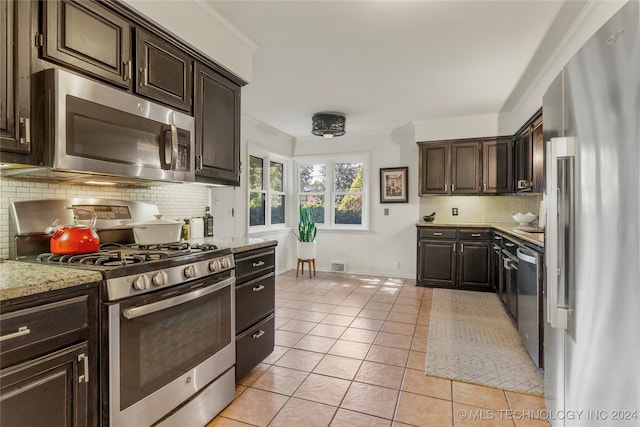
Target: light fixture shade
point(328, 125)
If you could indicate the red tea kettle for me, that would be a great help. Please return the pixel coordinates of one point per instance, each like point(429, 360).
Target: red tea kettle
point(74, 239)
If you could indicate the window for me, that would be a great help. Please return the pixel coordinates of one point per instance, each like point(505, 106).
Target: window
point(267, 188)
point(335, 190)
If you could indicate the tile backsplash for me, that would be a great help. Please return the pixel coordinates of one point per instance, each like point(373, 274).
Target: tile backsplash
point(173, 200)
point(482, 209)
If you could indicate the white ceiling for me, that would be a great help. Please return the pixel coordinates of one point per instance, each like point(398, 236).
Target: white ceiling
point(385, 64)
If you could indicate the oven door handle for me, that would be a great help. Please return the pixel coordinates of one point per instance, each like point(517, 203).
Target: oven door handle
point(143, 310)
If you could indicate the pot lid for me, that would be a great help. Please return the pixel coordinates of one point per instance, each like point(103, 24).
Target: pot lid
point(157, 221)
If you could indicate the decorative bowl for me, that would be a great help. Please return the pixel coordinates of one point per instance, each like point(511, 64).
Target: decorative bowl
point(430, 217)
point(524, 219)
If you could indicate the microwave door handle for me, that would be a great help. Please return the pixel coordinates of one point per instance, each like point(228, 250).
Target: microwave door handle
point(170, 147)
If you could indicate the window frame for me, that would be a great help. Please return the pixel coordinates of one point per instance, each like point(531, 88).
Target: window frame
point(330, 191)
point(267, 158)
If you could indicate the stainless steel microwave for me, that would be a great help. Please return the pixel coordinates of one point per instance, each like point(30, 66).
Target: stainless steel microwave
point(91, 128)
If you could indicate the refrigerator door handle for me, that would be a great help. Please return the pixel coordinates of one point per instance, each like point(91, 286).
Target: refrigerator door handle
point(560, 230)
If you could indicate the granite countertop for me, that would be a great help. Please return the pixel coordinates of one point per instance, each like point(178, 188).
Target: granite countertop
point(237, 244)
point(509, 228)
point(19, 279)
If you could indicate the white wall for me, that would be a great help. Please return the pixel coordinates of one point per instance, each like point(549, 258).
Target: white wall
point(457, 128)
point(230, 204)
point(390, 238)
point(197, 23)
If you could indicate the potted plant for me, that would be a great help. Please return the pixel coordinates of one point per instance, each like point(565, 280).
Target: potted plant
point(306, 235)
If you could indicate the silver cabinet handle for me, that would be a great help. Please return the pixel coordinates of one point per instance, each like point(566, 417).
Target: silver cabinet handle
point(437, 234)
point(258, 334)
point(144, 76)
point(257, 288)
point(510, 245)
point(257, 264)
point(453, 188)
point(84, 359)
point(476, 235)
point(25, 123)
point(461, 247)
point(454, 247)
point(22, 330)
point(127, 70)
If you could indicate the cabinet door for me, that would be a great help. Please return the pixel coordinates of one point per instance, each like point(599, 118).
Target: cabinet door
point(537, 142)
point(523, 162)
point(14, 85)
point(497, 166)
point(474, 264)
point(217, 115)
point(436, 262)
point(88, 37)
point(48, 391)
point(434, 168)
point(164, 72)
point(465, 168)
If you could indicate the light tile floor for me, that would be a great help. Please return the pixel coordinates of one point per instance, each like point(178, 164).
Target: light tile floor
point(350, 351)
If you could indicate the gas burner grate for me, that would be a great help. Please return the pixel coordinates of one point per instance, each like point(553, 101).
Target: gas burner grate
point(203, 247)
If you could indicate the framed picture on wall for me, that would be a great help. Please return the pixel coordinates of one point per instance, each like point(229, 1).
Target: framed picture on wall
point(393, 185)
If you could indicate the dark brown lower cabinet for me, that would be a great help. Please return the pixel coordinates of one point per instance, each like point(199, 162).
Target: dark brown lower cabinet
point(454, 258)
point(49, 359)
point(47, 391)
point(255, 307)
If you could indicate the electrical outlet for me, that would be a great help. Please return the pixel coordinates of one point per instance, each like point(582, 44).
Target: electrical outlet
point(396, 264)
point(454, 211)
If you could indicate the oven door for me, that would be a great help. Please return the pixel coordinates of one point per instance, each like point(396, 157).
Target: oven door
point(165, 348)
point(98, 129)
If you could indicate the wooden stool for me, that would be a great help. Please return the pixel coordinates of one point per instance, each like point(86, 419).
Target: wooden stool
point(311, 262)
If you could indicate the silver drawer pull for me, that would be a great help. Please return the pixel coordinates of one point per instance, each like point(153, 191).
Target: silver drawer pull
point(84, 359)
point(258, 288)
point(437, 234)
point(509, 244)
point(476, 235)
point(22, 330)
point(257, 334)
point(258, 264)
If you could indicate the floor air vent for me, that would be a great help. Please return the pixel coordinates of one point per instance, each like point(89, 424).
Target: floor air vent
point(338, 266)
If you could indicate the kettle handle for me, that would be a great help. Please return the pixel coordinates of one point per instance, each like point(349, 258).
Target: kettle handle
point(94, 217)
point(52, 228)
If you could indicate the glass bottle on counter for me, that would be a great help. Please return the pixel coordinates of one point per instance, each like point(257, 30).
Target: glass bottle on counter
point(208, 222)
point(186, 230)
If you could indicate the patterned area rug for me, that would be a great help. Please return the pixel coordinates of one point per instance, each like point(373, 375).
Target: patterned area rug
point(472, 339)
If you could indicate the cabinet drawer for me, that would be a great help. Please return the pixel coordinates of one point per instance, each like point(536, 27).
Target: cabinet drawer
point(254, 300)
point(60, 321)
point(254, 263)
point(437, 233)
point(254, 345)
point(477, 234)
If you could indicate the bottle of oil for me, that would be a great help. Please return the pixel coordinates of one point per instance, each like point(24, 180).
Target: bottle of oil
point(208, 222)
point(186, 230)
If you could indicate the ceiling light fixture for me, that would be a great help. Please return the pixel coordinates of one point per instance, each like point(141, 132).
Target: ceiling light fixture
point(328, 125)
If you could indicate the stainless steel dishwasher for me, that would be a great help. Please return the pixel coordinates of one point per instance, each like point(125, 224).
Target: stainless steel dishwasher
point(530, 272)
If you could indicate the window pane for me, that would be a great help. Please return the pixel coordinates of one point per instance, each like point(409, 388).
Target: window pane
point(312, 177)
point(348, 177)
point(256, 209)
point(277, 209)
point(275, 175)
point(255, 173)
point(315, 204)
point(348, 209)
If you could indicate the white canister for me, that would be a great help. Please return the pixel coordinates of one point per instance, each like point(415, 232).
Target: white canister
point(197, 228)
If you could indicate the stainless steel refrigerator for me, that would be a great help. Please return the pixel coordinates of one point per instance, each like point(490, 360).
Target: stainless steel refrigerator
point(592, 290)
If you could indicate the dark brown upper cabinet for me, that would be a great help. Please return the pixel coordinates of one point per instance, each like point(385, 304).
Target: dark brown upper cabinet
point(529, 156)
point(89, 38)
point(434, 168)
point(465, 168)
point(449, 167)
point(163, 72)
point(15, 123)
point(217, 116)
point(497, 165)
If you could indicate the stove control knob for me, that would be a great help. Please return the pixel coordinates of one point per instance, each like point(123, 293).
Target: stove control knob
point(141, 282)
point(160, 279)
point(190, 272)
point(214, 265)
point(225, 262)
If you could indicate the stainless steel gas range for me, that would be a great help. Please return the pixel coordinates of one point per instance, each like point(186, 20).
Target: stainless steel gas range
point(167, 313)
